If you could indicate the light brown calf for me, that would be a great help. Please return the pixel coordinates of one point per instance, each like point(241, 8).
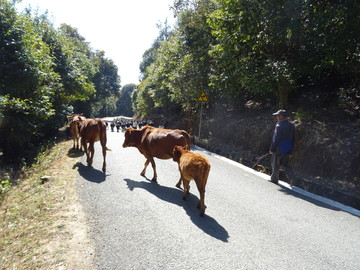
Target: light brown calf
point(192, 166)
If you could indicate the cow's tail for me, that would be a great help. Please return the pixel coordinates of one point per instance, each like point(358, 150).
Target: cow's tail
point(205, 168)
point(103, 138)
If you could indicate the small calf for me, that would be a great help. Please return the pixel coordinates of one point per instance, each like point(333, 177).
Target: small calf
point(192, 167)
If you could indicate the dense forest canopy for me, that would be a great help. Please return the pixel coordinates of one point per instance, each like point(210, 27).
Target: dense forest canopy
point(47, 74)
point(273, 53)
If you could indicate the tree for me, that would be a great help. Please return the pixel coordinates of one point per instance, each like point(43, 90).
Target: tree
point(177, 68)
point(27, 84)
point(124, 103)
point(45, 73)
point(275, 46)
point(107, 85)
point(144, 103)
point(188, 51)
point(149, 55)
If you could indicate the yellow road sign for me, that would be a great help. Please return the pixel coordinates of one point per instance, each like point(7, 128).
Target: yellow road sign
point(203, 97)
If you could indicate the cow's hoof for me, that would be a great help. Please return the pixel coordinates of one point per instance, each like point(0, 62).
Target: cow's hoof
point(202, 213)
point(154, 180)
point(178, 186)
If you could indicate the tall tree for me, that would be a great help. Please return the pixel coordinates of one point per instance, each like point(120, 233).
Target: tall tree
point(107, 86)
point(124, 103)
point(27, 83)
point(179, 67)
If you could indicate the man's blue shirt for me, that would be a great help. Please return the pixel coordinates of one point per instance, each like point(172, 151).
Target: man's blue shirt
point(283, 138)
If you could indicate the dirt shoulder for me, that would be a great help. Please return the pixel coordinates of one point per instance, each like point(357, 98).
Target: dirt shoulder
point(42, 223)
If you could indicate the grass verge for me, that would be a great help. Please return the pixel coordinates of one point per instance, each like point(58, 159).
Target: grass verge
point(41, 220)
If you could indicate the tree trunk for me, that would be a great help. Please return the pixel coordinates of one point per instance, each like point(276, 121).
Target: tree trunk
point(283, 93)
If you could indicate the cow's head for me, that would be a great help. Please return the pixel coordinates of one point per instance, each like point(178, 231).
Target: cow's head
point(177, 151)
point(128, 141)
point(76, 117)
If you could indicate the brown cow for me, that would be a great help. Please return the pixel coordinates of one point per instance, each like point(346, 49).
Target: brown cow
point(192, 166)
point(73, 120)
point(155, 143)
point(91, 131)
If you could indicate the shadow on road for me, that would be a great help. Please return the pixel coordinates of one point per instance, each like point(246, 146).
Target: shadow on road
point(173, 195)
point(90, 174)
point(332, 195)
point(308, 199)
point(74, 153)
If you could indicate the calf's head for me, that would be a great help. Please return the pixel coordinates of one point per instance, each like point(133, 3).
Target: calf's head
point(177, 152)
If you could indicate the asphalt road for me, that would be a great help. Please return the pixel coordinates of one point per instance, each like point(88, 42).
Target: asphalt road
point(248, 224)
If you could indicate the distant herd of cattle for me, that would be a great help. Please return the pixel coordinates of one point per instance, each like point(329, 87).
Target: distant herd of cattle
point(123, 123)
point(152, 142)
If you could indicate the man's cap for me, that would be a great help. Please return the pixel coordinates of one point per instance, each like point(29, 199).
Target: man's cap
point(281, 112)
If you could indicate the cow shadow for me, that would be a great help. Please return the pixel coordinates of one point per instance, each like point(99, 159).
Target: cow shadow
point(90, 174)
point(174, 195)
point(75, 153)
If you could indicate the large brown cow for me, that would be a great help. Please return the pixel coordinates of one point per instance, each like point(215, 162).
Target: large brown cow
point(155, 143)
point(73, 120)
point(192, 166)
point(91, 131)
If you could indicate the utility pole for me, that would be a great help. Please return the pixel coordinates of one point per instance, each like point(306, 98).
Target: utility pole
point(203, 98)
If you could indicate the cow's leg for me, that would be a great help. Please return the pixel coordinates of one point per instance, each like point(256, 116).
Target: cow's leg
point(148, 160)
point(104, 162)
point(201, 204)
point(145, 166)
point(91, 153)
point(81, 146)
point(154, 168)
point(77, 143)
point(84, 145)
point(186, 184)
point(103, 141)
point(178, 185)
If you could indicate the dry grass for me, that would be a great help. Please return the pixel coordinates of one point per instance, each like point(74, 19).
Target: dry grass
point(42, 225)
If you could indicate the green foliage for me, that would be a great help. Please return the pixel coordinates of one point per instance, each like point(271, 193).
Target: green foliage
point(4, 187)
point(75, 64)
point(267, 51)
point(124, 103)
point(107, 85)
point(46, 74)
point(302, 115)
point(176, 67)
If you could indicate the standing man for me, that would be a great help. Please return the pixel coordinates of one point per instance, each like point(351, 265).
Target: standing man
point(282, 144)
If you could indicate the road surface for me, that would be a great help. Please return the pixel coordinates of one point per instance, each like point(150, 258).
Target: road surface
point(249, 223)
